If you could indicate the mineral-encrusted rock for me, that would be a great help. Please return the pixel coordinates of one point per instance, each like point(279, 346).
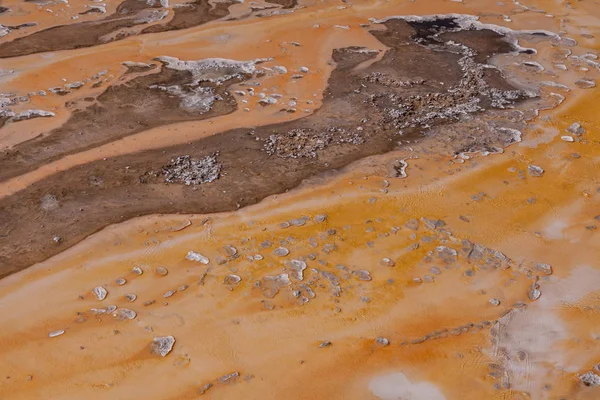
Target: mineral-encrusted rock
point(192, 171)
point(163, 345)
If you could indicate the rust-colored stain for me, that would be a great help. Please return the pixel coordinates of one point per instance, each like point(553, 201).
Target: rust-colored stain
point(470, 278)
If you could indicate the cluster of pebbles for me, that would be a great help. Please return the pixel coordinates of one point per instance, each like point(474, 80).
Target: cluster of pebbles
point(304, 274)
point(305, 142)
point(192, 171)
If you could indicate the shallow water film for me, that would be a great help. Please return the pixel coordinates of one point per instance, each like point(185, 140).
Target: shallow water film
point(300, 199)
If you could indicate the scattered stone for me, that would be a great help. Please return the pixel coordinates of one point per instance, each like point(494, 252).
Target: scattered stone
point(567, 138)
point(131, 297)
point(533, 293)
point(161, 271)
point(125, 313)
point(382, 341)
point(270, 285)
point(56, 333)
point(362, 274)
point(56, 239)
point(111, 309)
point(412, 224)
point(590, 379)
point(232, 279)
point(576, 129)
point(191, 171)
point(137, 270)
point(298, 268)
point(298, 222)
point(169, 293)
point(100, 292)
point(227, 378)
point(535, 171)
point(544, 268)
point(193, 256)
point(203, 389)
point(495, 302)
point(304, 70)
point(120, 281)
point(280, 69)
point(320, 218)
point(325, 344)
point(281, 251)
point(163, 345)
point(585, 83)
point(230, 250)
point(386, 262)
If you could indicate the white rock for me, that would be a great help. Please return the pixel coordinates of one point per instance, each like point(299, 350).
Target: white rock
point(163, 345)
point(193, 256)
point(100, 292)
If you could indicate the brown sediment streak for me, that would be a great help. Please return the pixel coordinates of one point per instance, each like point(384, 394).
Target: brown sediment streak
point(418, 268)
point(127, 15)
point(359, 117)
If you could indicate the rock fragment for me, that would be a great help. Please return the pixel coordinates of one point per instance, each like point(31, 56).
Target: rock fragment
point(535, 171)
point(137, 270)
point(320, 217)
point(230, 250)
point(298, 268)
point(100, 292)
point(325, 344)
point(495, 302)
point(585, 83)
point(412, 224)
point(227, 378)
point(382, 341)
point(124, 313)
point(193, 256)
point(120, 281)
point(204, 388)
point(161, 271)
point(576, 129)
point(281, 252)
point(533, 293)
point(56, 333)
point(387, 262)
point(590, 379)
point(362, 274)
point(131, 297)
point(232, 279)
point(163, 345)
point(544, 268)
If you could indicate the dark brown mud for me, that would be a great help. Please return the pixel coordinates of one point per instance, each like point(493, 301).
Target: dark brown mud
point(91, 33)
point(365, 112)
point(121, 110)
point(195, 13)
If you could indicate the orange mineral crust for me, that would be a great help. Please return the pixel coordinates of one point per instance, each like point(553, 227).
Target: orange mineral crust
point(370, 207)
